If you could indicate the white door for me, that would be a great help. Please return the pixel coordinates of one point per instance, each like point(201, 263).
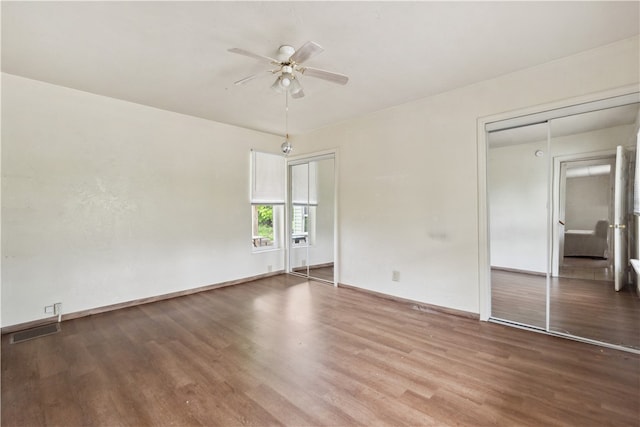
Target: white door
point(620, 216)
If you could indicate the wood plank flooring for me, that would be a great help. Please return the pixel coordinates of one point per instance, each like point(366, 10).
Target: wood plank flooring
point(286, 351)
point(585, 308)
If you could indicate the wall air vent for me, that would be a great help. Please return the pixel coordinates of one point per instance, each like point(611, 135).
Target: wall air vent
point(33, 333)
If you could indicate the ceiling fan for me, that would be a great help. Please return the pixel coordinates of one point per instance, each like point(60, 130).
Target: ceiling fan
point(289, 68)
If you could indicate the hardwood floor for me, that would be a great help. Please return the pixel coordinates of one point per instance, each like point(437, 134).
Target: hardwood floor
point(585, 308)
point(286, 351)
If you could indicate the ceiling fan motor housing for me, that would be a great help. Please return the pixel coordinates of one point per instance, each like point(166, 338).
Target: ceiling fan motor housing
point(285, 52)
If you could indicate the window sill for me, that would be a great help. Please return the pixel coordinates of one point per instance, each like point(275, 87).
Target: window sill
point(266, 249)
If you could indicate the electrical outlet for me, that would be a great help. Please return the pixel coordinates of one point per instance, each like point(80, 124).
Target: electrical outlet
point(48, 309)
point(304, 262)
point(395, 276)
point(269, 268)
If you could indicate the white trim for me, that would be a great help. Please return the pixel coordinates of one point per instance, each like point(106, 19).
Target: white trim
point(304, 158)
point(547, 302)
point(562, 335)
point(542, 113)
point(545, 116)
point(336, 246)
point(484, 261)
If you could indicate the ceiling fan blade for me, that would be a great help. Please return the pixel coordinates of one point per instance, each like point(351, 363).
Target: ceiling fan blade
point(254, 55)
point(305, 52)
point(298, 94)
point(246, 79)
point(254, 76)
point(340, 79)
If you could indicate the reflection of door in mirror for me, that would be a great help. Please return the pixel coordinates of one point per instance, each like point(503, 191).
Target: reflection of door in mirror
point(591, 296)
point(312, 211)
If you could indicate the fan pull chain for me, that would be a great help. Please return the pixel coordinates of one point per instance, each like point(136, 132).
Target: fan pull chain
point(286, 145)
point(286, 114)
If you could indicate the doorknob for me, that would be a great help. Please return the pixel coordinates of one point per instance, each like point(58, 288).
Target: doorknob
point(619, 226)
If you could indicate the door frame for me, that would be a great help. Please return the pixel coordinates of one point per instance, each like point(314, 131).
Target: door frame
point(536, 114)
point(559, 194)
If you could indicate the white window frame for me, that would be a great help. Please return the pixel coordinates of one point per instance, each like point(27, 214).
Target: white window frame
point(267, 188)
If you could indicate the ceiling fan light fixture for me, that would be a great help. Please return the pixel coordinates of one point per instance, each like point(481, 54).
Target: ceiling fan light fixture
point(277, 86)
point(294, 86)
point(285, 80)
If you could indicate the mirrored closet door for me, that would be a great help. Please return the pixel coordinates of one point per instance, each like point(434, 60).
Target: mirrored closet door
point(592, 293)
point(518, 193)
point(562, 225)
point(312, 217)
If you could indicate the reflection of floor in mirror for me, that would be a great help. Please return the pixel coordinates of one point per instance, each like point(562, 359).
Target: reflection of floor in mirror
point(518, 297)
point(586, 308)
point(322, 272)
point(586, 268)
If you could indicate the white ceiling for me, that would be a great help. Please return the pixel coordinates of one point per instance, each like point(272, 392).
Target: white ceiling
point(173, 55)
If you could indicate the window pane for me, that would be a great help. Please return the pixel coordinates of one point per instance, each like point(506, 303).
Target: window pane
point(264, 226)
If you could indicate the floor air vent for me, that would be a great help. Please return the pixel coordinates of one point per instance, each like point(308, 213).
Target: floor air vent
point(33, 333)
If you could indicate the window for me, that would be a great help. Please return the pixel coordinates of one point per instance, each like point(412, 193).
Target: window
point(265, 226)
point(267, 200)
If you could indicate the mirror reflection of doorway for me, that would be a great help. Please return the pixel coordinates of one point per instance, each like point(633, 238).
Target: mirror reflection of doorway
point(586, 212)
point(560, 234)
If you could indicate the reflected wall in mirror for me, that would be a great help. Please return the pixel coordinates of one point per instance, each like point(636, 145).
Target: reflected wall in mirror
point(312, 217)
point(518, 193)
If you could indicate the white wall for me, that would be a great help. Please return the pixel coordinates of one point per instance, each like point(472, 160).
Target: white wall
point(105, 201)
point(587, 202)
point(408, 183)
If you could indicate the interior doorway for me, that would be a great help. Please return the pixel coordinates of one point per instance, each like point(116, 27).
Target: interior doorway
point(585, 198)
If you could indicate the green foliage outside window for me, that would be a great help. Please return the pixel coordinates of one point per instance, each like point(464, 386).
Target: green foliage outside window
point(265, 221)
